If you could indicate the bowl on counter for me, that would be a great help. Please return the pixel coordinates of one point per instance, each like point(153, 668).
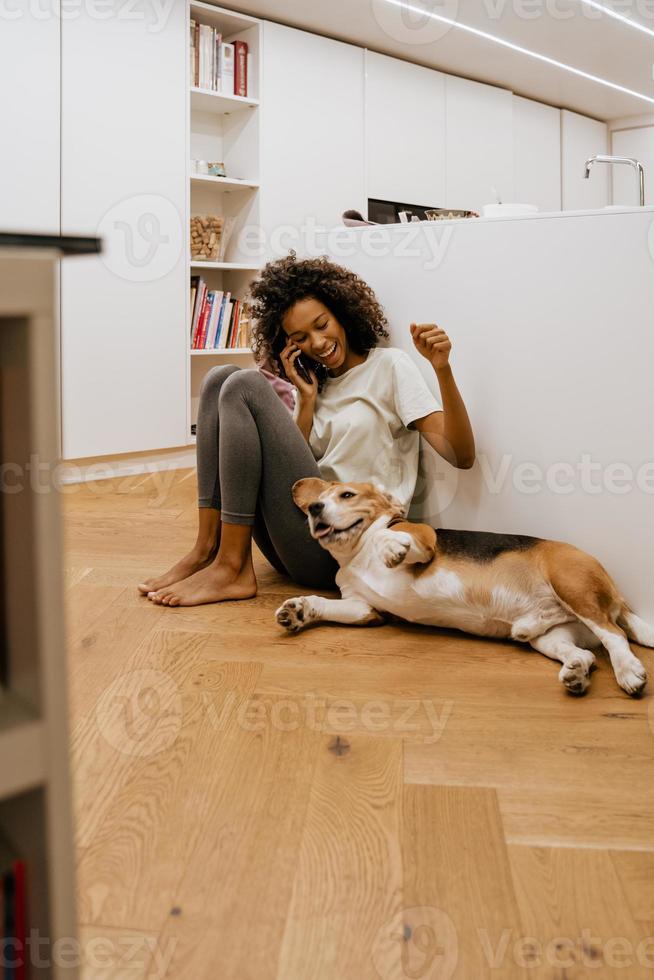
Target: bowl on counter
point(446, 214)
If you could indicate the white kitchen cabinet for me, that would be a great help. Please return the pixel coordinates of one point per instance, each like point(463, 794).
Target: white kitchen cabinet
point(638, 143)
point(479, 143)
point(405, 131)
point(312, 140)
point(537, 154)
point(124, 164)
point(581, 138)
point(29, 120)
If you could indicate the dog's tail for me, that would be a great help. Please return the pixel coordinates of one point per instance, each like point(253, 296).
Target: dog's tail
point(636, 628)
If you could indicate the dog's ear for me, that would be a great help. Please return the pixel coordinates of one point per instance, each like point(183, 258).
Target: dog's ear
point(306, 491)
point(398, 507)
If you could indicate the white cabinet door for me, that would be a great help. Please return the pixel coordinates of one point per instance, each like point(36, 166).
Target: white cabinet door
point(312, 134)
point(638, 143)
point(29, 119)
point(405, 131)
point(581, 138)
point(537, 154)
point(479, 143)
point(124, 99)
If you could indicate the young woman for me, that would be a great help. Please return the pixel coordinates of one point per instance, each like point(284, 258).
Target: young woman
point(358, 417)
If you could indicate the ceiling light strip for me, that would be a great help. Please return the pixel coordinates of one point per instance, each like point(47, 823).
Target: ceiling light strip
point(516, 47)
point(629, 21)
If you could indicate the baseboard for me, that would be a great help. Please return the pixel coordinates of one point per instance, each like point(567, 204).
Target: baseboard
point(110, 467)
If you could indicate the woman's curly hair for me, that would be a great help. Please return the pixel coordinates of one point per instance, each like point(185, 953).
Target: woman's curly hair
point(285, 281)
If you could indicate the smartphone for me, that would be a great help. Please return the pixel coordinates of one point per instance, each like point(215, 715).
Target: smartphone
point(302, 371)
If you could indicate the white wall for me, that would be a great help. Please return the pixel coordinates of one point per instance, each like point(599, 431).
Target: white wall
point(124, 161)
point(312, 140)
point(532, 315)
point(405, 131)
point(479, 143)
point(537, 154)
point(582, 138)
point(638, 143)
point(29, 120)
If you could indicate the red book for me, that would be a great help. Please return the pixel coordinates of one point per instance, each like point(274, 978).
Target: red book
point(197, 310)
point(202, 325)
point(240, 68)
point(20, 928)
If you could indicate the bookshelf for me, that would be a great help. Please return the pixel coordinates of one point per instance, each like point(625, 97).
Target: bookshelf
point(226, 128)
point(35, 803)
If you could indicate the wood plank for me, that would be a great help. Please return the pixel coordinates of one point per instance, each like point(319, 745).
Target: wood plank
point(101, 646)
point(137, 715)
point(72, 574)
point(133, 864)
point(593, 816)
point(106, 953)
point(635, 869)
point(349, 876)
point(459, 898)
point(576, 922)
point(234, 895)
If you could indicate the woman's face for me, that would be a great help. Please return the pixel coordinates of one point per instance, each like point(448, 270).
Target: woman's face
point(315, 331)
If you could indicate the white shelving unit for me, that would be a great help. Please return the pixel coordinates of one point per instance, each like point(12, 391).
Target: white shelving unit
point(35, 798)
point(225, 184)
point(227, 128)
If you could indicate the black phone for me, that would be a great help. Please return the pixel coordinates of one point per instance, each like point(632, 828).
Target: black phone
point(302, 371)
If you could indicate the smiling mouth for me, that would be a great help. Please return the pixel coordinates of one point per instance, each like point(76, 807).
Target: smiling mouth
point(327, 354)
point(322, 530)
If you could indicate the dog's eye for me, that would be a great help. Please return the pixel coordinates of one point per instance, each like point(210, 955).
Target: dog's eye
point(346, 494)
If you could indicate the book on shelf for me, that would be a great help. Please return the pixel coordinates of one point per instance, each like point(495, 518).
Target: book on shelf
point(13, 912)
point(219, 321)
point(217, 65)
point(240, 68)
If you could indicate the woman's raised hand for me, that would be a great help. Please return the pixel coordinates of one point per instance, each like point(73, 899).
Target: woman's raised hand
point(288, 357)
point(432, 342)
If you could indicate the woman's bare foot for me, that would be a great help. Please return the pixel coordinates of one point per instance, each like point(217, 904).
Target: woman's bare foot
point(196, 559)
point(215, 583)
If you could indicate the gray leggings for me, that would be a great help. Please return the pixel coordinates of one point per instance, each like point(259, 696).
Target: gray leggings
point(250, 452)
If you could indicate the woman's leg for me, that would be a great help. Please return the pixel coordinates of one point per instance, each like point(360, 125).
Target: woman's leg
point(262, 453)
point(206, 449)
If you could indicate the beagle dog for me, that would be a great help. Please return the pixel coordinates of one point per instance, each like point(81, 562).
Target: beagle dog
point(545, 593)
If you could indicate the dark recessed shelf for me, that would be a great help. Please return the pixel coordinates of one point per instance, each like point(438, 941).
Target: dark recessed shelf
point(66, 244)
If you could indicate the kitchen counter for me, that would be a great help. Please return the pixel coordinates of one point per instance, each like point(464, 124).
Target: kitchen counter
point(550, 317)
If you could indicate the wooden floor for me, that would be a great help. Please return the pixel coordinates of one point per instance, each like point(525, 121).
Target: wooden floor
point(343, 804)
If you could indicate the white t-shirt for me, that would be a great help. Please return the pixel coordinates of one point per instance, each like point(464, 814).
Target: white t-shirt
point(360, 421)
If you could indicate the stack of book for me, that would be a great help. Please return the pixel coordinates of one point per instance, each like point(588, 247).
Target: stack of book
point(218, 65)
point(218, 321)
point(12, 912)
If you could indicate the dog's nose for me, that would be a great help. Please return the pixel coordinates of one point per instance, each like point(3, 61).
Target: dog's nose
point(317, 508)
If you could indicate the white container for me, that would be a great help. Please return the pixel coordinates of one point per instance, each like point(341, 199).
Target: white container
point(507, 210)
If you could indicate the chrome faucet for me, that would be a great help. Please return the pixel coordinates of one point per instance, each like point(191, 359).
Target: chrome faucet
point(631, 161)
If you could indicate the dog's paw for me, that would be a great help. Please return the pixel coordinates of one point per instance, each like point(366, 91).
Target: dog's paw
point(574, 675)
point(295, 614)
point(631, 676)
point(393, 546)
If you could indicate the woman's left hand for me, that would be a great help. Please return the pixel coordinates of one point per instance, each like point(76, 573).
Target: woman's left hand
point(432, 342)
